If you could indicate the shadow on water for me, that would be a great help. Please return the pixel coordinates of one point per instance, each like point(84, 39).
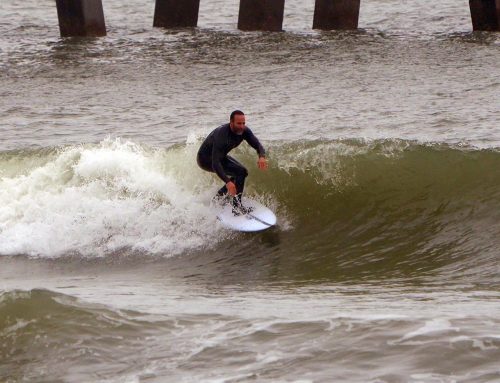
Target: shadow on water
point(71, 50)
point(160, 48)
point(205, 46)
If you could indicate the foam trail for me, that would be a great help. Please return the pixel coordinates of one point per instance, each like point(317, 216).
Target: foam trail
point(98, 199)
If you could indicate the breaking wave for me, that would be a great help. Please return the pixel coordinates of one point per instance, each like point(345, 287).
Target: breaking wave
point(338, 203)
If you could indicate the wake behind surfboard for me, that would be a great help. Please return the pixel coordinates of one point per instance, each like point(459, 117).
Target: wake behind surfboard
point(260, 217)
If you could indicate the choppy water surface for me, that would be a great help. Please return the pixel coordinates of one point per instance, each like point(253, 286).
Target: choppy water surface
point(384, 172)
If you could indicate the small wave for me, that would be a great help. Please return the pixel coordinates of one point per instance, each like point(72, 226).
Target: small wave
point(76, 333)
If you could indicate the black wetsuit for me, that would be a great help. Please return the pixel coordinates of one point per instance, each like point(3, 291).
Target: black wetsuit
point(212, 156)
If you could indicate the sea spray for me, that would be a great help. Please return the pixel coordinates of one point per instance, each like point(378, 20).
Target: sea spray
point(97, 199)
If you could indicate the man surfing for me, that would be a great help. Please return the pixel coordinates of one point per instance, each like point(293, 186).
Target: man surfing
point(212, 157)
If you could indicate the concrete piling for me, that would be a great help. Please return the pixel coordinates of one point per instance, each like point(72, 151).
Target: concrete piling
point(485, 15)
point(176, 13)
point(81, 18)
point(86, 17)
point(261, 15)
point(336, 14)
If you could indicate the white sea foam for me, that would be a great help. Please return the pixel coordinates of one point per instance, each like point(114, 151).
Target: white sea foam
point(431, 327)
point(97, 199)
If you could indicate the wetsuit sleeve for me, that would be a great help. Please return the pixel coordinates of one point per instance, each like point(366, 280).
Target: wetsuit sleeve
point(218, 155)
point(254, 142)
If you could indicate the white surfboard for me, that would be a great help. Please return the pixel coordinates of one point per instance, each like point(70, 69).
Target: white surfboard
point(260, 218)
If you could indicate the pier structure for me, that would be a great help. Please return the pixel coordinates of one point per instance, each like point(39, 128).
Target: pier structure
point(261, 15)
point(485, 15)
point(336, 14)
point(176, 13)
point(81, 18)
point(86, 17)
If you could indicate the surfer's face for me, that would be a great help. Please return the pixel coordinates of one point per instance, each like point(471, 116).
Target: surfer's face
point(238, 124)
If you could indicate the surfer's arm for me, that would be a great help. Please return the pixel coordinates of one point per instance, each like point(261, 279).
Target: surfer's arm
point(254, 142)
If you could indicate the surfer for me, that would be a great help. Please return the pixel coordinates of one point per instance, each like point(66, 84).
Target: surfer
point(212, 157)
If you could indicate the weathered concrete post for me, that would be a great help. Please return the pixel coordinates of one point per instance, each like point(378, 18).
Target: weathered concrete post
point(336, 14)
point(485, 15)
point(261, 15)
point(176, 13)
point(81, 18)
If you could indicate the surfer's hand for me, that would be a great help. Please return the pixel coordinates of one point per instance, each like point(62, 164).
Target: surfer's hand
point(262, 163)
point(231, 188)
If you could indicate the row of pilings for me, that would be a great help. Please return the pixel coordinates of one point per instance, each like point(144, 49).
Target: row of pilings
point(86, 17)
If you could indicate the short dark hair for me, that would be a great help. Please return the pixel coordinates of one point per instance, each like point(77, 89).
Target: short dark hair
point(234, 113)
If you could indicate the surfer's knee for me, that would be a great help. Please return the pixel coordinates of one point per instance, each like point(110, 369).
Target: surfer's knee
point(243, 172)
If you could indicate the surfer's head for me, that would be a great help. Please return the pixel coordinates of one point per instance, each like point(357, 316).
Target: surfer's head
point(237, 122)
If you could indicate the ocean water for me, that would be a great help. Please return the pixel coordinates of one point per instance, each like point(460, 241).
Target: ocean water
point(384, 154)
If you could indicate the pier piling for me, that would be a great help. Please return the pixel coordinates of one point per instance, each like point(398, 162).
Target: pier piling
point(81, 18)
point(485, 15)
point(336, 14)
point(261, 15)
point(176, 13)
